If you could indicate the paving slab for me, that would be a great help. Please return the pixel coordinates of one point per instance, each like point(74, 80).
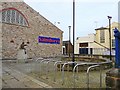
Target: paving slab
point(13, 83)
point(13, 78)
point(32, 84)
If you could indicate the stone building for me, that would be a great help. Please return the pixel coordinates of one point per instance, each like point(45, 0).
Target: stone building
point(21, 23)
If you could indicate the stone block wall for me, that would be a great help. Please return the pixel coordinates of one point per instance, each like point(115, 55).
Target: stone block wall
point(13, 35)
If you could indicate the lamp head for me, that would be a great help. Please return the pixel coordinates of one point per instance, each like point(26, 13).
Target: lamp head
point(109, 17)
point(69, 26)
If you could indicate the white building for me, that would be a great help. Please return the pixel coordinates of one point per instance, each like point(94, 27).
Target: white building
point(98, 43)
point(87, 45)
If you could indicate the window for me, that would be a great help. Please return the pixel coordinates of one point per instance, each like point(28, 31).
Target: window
point(21, 20)
point(113, 42)
point(113, 32)
point(13, 16)
point(24, 22)
point(83, 44)
point(0, 17)
point(3, 16)
point(102, 36)
point(17, 17)
point(8, 16)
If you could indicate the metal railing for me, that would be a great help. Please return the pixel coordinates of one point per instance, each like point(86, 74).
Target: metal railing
point(35, 64)
point(39, 59)
point(45, 60)
point(63, 66)
point(88, 70)
point(55, 68)
point(47, 67)
point(68, 63)
point(76, 66)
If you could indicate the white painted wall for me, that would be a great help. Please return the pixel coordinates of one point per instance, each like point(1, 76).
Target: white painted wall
point(87, 39)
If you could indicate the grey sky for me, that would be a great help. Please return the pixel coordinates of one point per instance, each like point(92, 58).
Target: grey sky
point(90, 14)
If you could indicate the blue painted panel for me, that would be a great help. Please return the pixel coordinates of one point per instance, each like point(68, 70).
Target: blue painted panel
point(48, 40)
point(117, 48)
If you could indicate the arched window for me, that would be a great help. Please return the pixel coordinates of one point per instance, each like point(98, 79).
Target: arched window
point(13, 16)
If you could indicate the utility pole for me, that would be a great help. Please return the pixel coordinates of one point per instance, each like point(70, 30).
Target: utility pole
point(73, 57)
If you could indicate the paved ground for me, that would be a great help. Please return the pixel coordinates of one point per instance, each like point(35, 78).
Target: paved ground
point(15, 75)
point(12, 78)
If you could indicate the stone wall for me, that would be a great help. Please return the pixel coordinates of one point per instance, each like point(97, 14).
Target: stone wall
point(14, 35)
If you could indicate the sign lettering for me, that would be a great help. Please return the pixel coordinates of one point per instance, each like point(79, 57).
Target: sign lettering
point(48, 40)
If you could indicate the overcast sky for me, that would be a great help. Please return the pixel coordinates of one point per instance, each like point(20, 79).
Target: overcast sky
point(90, 14)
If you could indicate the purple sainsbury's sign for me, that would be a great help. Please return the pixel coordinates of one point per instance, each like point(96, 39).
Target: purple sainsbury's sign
point(48, 40)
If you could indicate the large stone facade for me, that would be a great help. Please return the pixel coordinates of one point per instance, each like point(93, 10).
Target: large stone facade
point(13, 35)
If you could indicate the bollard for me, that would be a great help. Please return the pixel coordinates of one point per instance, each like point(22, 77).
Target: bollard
point(113, 76)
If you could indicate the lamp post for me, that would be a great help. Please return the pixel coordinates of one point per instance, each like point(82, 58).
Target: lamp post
point(69, 40)
point(109, 18)
point(73, 58)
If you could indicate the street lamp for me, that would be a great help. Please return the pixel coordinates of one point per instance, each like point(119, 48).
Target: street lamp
point(109, 18)
point(73, 58)
point(69, 39)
